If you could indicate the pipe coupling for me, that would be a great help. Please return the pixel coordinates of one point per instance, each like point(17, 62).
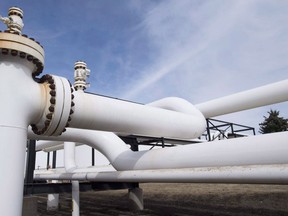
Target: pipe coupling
point(59, 106)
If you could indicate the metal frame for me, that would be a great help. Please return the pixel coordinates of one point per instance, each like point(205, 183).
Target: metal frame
point(222, 127)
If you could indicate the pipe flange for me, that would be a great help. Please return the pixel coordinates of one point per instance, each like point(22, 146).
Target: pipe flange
point(58, 109)
point(23, 47)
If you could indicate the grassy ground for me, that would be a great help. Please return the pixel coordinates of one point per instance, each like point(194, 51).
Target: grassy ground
point(182, 199)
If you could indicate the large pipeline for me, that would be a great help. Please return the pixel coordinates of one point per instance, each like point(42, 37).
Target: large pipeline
point(48, 105)
point(254, 150)
point(109, 114)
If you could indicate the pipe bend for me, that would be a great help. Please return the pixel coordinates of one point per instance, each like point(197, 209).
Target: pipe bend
point(181, 105)
point(177, 104)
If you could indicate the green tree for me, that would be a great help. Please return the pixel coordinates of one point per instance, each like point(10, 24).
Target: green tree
point(273, 123)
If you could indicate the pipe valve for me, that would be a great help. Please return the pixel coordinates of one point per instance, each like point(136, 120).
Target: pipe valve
point(81, 73)
point(14, 21)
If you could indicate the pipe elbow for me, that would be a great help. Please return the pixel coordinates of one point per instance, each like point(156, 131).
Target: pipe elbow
point(183, 106)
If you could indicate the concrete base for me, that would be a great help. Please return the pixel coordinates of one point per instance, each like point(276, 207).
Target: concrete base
point(53, 202)
point(135, 197)
point(29, 206)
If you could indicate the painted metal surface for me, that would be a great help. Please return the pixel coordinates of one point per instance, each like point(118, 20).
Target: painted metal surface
point(48, 106)
point(261, 149)
point(257, 97)
point(255, 174)
point(102, 113)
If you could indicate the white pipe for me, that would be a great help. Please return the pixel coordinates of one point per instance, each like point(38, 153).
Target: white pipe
point(261, 149)
point(21, 103)
point(178, 105)
point(70, 165)
point(69, 156)
point(108, 114)
point(109, 144)
point(261, 96)
point(260, 174)
point(75, 198)
point(44, 144)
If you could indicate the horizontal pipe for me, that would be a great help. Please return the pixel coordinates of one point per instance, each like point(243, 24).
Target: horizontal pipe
point(253, 150)
point(257, 97)
point(44, 144)
point(50, 145)
point(260, 174)
point(108, 114)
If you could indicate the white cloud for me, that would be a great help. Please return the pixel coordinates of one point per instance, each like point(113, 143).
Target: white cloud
point(213, 42)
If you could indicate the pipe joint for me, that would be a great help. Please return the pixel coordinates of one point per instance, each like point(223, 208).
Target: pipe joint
point(15, 44)
point(58, 109)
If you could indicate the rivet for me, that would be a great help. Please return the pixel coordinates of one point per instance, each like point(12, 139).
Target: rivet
point(35, 61)
point(52, 100)
point(47, 122)
point(14, 52)
point(52, 93)
point(5, 51)
point(52, 86)
point(71, 112)
point(49, 116)
point(22, 54)
point(72, 104)
point(51, 108)
point(29, 58)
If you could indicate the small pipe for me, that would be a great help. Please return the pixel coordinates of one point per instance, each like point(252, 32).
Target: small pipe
point(75, 198)
point(69, 156)
point(253, 174)
point(44, 144)
point(257, 97)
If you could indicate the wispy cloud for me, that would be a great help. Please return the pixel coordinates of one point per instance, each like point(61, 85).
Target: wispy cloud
point(212, 43)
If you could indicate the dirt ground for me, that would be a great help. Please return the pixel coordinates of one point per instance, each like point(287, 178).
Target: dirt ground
point(182, 199)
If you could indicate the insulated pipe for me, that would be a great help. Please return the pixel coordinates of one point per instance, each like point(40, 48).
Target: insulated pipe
point(178, 105)
point(260, 174)
point(25, 100)
point(70, 166)
point(257, 97)
point(69, 156)
point(21, 102)
point(254, 150)
point(107, 143)
point(102, 113)
point(44, 144)
point(75, 198)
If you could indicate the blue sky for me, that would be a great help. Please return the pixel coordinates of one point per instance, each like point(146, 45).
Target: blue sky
point(150, 49)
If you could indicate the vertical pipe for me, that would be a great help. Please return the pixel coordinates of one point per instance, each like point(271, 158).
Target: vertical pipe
point(75, 198)
point(69, 156)
point(12, 160)
point(30, 162)
point(70, 165)
point(48, 161)
point(54, 159)
point(93, 157)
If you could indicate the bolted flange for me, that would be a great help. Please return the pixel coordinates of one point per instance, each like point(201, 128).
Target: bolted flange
point(16, 45)
point(58, 109)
